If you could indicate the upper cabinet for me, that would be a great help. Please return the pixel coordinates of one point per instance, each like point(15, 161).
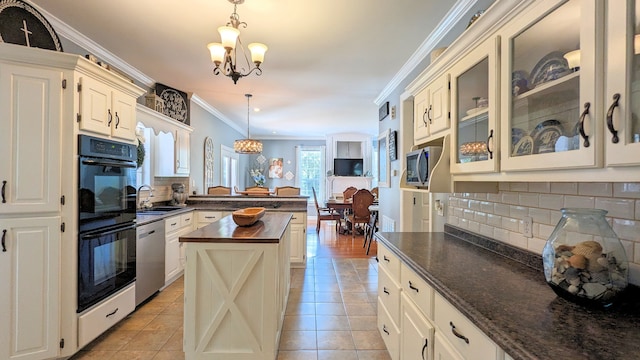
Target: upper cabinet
point(30, 108)
point(431, 110)
point(550, 81)
point(105, 109)
point(474, 93)
point(622, 95)
point(170, 149)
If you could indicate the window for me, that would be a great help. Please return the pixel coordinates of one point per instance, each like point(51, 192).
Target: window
point(310, 162)
point(229, 167)
point(144, 171)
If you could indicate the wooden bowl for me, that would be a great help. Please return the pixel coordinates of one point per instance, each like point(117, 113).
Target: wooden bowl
point(248, 216)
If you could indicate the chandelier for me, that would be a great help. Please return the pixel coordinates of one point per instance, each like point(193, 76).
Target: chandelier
point(225, 55)
point(248, 145)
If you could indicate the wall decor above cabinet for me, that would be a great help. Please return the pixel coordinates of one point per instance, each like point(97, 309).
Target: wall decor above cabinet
point(176, 103)
point(21, 24)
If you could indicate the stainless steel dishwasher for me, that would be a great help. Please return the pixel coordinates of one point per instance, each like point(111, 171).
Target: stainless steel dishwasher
point(149, 260)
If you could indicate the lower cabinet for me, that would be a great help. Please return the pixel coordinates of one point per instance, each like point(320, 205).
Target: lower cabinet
point(105, 315)
point(298, 240)
point(417, 333)
point(416, 322)
point(29, 291)
point(175, 227)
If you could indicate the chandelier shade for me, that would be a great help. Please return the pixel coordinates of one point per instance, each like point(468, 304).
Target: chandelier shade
point(225, 53)
point(248, 145)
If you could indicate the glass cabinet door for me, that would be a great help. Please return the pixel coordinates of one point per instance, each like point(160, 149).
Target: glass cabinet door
point(474, 110)
point(622, 96)
point(549, 87)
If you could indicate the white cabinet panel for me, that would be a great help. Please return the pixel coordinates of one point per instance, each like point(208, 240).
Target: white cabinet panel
point(417, 333)
point(30, 108)
point(30, 294)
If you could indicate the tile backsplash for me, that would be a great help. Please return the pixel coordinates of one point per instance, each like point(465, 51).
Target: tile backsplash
point(500, 215)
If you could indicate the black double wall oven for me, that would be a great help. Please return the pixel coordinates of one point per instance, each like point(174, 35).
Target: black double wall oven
point(107, 219)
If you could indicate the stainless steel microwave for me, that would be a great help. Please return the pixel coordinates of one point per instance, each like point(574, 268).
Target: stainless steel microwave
point(420, 164)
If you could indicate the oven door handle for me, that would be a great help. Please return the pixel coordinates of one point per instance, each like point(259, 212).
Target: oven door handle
point(109, 163)
point(108, 232)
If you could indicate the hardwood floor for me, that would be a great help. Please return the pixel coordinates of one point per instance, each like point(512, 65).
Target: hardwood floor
point(331, 312)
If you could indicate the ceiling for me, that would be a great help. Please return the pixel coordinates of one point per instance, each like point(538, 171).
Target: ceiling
point(328, 60)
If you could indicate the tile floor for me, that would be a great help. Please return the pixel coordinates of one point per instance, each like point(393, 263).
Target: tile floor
point(331, 312)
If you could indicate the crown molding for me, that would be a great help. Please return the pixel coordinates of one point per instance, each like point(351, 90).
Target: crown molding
point(453, 16)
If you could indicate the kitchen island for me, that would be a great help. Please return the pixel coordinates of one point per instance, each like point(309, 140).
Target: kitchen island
point(236, 287)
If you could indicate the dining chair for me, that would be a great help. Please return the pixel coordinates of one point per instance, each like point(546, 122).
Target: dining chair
point(360, 214)
point(287, 190)
point(374, 191)
point(324, 213)
point(219, 190)
point(348, 192)
point(370, 229)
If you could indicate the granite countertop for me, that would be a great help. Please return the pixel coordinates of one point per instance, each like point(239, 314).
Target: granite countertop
point(512, 303)
point(269, 229)
point(146, 218)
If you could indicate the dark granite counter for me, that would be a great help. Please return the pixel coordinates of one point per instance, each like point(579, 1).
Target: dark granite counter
point(510, 301)
point(149, 217)
point(269, 229)
point(234, 202)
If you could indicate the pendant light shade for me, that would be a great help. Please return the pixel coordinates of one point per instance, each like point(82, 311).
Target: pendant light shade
point(248, 145)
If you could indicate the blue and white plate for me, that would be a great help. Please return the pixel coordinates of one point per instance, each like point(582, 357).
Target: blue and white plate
point(545, 136)
point(551, 67)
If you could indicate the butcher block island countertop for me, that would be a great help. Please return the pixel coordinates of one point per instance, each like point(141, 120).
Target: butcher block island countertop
point(231, 276)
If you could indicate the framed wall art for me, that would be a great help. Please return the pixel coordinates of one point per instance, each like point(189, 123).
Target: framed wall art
point(176, 103)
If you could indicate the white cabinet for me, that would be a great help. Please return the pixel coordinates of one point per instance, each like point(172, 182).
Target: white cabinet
point(431, 110)
point(417, 333)
point(474, 97)
point(622, 117)
point(416, 322)
point(550, 115)
point(31, 110)
point(298, 252)
point(105, 110)
point(29, 295)
point(175, 227)
point(171, 153)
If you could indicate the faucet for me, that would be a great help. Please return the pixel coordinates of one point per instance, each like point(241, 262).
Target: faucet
point(146, 203)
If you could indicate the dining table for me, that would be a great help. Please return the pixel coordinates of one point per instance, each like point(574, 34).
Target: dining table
point(342, 206)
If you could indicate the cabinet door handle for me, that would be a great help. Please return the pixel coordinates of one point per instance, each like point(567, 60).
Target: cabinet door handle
point(112, 313)
point(424, 116)
point(385, 258)
point(429, 114)
point(384, 290)
point(384, 328)
point(117, 120)
point(426, 343)
point(4, 187)
point(489, 147)
point(4, 236)
point(587, 105)
point(457, 334)
point(109, 117)
point(613, 131)
point(413, 287)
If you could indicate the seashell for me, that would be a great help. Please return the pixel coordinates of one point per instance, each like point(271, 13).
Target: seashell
point(602, 261)
point(578, 261)
point(571, 273)
point(563, 248)
point(589, 248)
point(575, 281)
point(600, 277)
point(595, 266)
point(573, 289)
point(593, 290)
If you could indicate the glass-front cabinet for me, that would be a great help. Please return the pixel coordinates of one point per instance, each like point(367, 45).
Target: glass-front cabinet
point(475, 94)
point(622, 95)
point(550, 86)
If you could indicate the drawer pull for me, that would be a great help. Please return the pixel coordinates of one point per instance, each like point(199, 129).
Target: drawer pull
point(384, 290)
point(209, 217)
point(426, 343)
point(384, 328)
point(385, 258)
point(174, 224)
point(112, 313)
point(457, 334)
point(187, 219)
point(413, 287)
